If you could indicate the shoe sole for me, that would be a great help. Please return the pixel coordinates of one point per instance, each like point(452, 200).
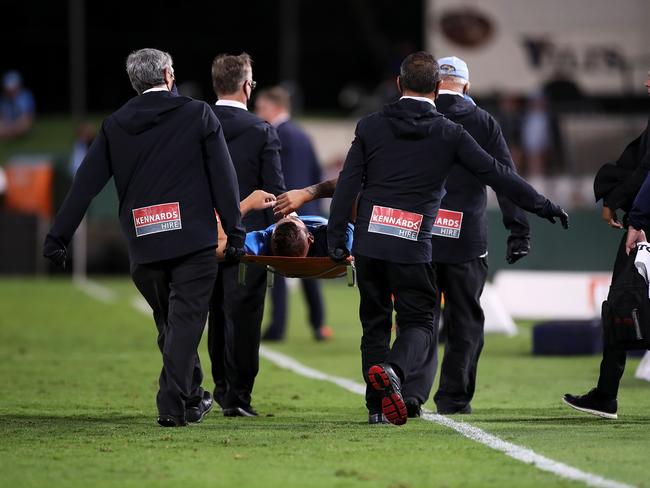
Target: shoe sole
point(392, 405)
point(597, 413)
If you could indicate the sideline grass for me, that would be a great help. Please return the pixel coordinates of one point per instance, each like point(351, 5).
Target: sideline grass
point(77, 409)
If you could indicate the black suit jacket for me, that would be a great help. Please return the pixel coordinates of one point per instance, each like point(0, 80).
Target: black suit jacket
point(255, 150)
point(172, 169)
point(466, 193)
point(400, 159)
point(299, 163)
point(618, 184)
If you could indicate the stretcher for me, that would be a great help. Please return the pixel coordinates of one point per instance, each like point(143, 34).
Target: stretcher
point(306, 268)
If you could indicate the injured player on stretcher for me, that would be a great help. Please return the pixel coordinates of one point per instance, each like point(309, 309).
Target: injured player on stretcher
point(292, 236)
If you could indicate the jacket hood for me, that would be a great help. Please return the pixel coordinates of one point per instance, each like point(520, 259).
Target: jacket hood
point(235, 121)
point(143, 112)
point(454, 105)
point(410, 119)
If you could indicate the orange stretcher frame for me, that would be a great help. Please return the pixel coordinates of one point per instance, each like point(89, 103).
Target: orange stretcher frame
point(307, 268)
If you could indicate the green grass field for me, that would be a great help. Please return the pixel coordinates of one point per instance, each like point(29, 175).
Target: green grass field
point(78, 379)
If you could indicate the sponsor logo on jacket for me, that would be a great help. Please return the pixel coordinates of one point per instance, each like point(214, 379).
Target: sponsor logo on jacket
point(164, 217)
point(394, 222)
point(448, 224)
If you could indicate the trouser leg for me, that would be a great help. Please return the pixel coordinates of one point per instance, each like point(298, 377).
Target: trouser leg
point(243, 307)
point(415, 294)
point(464, 320)
point(314, 300)
point(277, 329)
point(190, 281)
point(375, 313)
point(217, 339)
point(612, 365)
point(152, 281)
point(420, 381)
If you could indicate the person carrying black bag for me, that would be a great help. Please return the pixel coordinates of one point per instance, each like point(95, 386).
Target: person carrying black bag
point(618, 185)
point(172, 170)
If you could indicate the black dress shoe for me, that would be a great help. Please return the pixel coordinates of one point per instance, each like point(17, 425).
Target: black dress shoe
point(454, 410)
point(382, 377)
point(593, 403)
point(377, 419)
point(171, 420)
point(196, 414)
point(413, 407)
point(246, 411)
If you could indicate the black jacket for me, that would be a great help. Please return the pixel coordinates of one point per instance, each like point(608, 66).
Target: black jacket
point(255, 150)
point(299, 163)
point(618, 184)
point(164, 152)
point(467, 194)
point(403, 156)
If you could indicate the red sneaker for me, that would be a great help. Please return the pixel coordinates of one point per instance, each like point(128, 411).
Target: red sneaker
point(382, 377)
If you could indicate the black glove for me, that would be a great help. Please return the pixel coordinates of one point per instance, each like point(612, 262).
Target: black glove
point(55, 251)
point(339, 254)
point(550, 211)
point(233, 254)
point(518, 247)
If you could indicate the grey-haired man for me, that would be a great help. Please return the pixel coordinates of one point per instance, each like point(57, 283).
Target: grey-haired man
point(172, 169)
point(460, 251)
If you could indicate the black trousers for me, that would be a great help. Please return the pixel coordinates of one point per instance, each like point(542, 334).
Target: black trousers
point(411, 290)
point(612, 365)
point(462, 285)
point(234, 333)
point(313, 296)
point(178, 290)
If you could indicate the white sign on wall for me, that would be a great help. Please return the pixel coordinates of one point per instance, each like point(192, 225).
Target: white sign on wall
point(516, 45)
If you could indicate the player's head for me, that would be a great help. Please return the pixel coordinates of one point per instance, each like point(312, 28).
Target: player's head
point(291, 238)
point(419, 73)
point(233, 75)
point(149, 68)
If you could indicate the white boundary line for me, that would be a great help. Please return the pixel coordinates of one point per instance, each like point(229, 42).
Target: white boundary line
point(523, 454)
point(95, 290)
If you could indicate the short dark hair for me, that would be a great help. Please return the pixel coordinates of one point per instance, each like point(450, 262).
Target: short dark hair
point(277, 95)
point(419, 73)
point(229, 72)
point(289, 239)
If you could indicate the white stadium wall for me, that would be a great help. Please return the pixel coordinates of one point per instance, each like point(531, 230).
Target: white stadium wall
point(519, 44)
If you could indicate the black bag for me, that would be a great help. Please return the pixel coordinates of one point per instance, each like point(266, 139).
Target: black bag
point(626, 312)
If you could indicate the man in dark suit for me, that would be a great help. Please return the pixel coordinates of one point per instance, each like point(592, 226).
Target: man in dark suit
point(301, 169)
point(172, 170)
point(236, 311)
point(460, 251)
point(399, 161)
